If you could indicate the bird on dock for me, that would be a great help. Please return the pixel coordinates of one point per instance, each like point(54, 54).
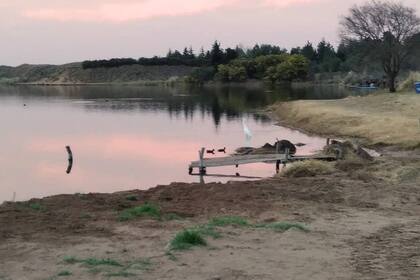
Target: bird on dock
point(300, 144)
point(222, 150)
point(211, 151)
point(247, 131)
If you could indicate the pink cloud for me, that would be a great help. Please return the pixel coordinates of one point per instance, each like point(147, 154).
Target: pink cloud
point(285, 3)
point(130, 10)
point(119, 11)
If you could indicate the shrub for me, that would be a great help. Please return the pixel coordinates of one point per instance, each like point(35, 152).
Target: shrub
point(228, 221)
point(408, 84)
point(186, 239)
point(231, 73)
point(147, 209)
point(307, 168)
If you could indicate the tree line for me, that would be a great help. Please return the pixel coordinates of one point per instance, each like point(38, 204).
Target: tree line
point(188, 57)
point(379, 35)
point(239, 64)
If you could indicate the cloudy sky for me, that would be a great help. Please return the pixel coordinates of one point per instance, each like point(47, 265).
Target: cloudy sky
point(61, 31)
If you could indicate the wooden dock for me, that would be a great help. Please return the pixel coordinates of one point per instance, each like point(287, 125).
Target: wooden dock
point(280, 158)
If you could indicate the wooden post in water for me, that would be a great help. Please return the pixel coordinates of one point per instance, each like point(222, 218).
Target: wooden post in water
point(202, 168)
point(278, 152)
point(70, 154)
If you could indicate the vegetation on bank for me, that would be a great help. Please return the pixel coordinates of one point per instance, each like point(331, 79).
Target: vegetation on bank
point(378, 119)
point(309, 168)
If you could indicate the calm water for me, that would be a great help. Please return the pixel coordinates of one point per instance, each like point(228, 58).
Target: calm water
point(130, 137)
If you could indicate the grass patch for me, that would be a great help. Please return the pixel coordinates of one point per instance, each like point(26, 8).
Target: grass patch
point(95, 270)
point(283, 226)
point(64, 273)
point(131, 198)
point(207, 230)
point(172, 217)
point(229, 221)
point(149, 210)
point(124, 274)
point(97, 262)
point(171, 256)
point(308, 168)
point(85, 216)
point(70, 260)
point(192, 237)
point(92, 261)
point(143, 264)
point(36, 206)
point(187, 239)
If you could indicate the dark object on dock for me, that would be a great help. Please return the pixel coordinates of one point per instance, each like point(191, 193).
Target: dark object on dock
point(211, 151)
point(222, 150)
point(283, 145)
point(300, 144)
point(278, 147)
point(70, 154)
point(268, 146)
point(244, 150)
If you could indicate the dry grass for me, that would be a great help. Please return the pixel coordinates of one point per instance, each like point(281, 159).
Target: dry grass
point(307, 168)
point(383, 118)
point(408, 84)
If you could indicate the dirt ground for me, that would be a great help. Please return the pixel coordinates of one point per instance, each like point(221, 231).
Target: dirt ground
point(362, 225)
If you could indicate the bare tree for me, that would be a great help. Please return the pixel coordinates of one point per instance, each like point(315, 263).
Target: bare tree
point(388, 29)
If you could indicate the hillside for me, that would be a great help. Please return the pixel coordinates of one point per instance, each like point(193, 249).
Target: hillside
point(74, 74)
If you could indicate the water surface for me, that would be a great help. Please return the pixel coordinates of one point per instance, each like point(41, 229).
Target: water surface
point(131, 137)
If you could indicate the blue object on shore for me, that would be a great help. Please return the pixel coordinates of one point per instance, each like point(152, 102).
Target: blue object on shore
point(417, 86)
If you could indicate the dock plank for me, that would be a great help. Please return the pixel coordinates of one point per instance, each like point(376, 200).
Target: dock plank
point(247, 159)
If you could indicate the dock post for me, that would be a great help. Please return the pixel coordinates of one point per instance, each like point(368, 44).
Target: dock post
point(328, 141)
point(278, 166)
point(202, 168)
point(278, 152)
point(339, 153)
point(286, 156)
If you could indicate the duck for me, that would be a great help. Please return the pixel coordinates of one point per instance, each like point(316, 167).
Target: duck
point(222, 150)
point(211, 151)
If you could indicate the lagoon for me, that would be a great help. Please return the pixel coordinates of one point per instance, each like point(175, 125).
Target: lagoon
point(133, 137)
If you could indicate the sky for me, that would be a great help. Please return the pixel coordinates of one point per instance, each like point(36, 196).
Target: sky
point(63, 31)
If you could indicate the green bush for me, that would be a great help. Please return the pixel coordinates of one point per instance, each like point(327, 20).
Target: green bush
point(147, 209)
point(231, 73)
point(186, 239)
